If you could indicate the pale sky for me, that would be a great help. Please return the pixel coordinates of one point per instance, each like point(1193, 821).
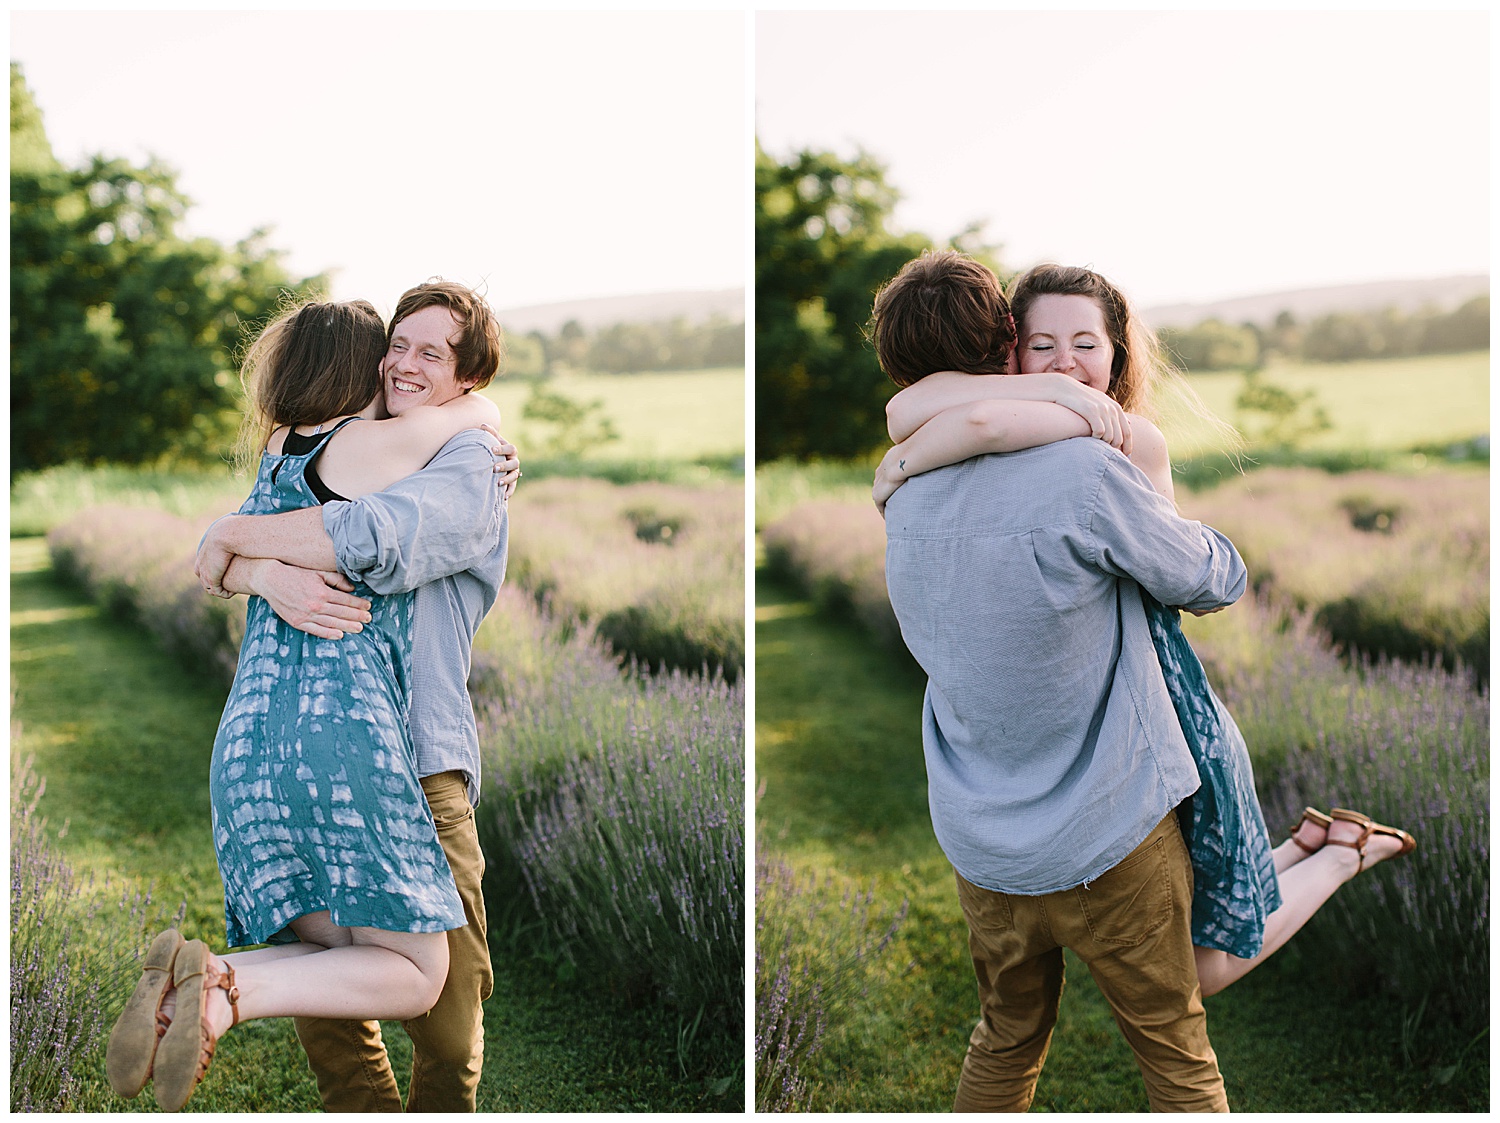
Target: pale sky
point(548, 157)
point(1189, 156)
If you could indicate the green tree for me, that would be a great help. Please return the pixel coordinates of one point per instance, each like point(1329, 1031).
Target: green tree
point(525, 356)
point(123, 334)
point(576, 426)
point(1212, 345)
point(1283, 419)
point(822, 249)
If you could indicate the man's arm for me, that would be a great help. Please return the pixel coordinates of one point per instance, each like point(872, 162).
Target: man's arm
point(293, 537)
point(440, 521)
point(1134, 531)
point(320, 603)
point(457, 485)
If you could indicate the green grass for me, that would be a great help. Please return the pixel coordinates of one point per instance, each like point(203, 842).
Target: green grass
point(668, 415)
point(838, 749)
point(40, 500)
point(123, 737)
point(1381, 405)
point(781, 485)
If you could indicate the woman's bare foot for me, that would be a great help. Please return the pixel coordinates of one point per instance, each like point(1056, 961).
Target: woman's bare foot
point(1310, 836)
point(1344, 840)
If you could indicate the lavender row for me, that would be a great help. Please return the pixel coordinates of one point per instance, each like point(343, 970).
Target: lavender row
point(1407, 744)
point(657, 569)
point(1388, 564)
point(835, 552)
point(74, 948)
point(620, 797)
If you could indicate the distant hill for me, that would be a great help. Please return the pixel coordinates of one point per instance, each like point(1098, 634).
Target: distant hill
point(603, 312)
point(1445, 293)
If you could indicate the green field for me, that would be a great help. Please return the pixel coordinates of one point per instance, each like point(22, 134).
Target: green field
point(667, 415)
point(1387, 404)
point(662, 418)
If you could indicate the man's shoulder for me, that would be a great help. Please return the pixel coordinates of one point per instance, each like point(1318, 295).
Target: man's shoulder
point(1034, 487)
point(469, 442)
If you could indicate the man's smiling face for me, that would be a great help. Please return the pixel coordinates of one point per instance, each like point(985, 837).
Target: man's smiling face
point(419, 365)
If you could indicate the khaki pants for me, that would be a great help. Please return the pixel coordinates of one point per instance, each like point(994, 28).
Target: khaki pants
point(1131, 927)
point(349, 1058)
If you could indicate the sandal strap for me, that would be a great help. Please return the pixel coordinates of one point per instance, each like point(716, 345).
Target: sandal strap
point(225, 982)
point(1359, 845)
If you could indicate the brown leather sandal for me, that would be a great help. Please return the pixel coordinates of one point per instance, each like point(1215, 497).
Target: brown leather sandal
point(1316, 818)
point(1343, 814)
point(183, 1057)
point(133, 1040)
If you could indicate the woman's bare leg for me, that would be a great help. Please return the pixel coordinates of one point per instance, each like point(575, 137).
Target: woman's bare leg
point(1305, 885)
point(358, 973)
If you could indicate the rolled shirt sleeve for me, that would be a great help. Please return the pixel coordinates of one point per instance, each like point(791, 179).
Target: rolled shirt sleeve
point(433, 524)
point(1135, 532)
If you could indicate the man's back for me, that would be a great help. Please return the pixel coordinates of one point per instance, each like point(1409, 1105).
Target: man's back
point(1052, 746)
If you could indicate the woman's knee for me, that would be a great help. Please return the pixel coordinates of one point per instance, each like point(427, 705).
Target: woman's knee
point(427, 952)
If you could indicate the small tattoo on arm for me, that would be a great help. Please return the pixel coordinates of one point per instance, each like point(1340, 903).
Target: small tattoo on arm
point(901, 464)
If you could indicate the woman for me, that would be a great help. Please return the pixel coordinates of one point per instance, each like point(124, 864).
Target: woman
point(324, 839)
point(1095, 363)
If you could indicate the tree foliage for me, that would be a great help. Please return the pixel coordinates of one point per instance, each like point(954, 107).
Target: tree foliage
point(576, 426)
point(1281, 418)
point(1212, 345)
point(123, 333)
point(822, 249)
point(1332, 338)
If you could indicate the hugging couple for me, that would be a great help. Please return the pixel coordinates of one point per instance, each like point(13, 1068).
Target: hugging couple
point(346, 767)
point(1088, 787)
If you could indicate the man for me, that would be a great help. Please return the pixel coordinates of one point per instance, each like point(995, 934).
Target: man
point(442, 532)
point(1055, 759)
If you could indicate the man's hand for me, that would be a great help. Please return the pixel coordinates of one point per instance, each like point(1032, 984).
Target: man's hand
point(213, 560)
point(321, 604)
point(507, 463)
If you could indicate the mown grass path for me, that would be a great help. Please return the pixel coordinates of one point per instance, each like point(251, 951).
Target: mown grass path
point(838, 749)
point(122, 736)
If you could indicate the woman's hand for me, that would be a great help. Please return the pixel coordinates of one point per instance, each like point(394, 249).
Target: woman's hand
point(507, 463)
point(1105, 417)
point(890, 475)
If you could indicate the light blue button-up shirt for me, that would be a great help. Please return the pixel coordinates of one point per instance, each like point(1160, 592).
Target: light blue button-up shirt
point(1052, 746)
point(444, 533)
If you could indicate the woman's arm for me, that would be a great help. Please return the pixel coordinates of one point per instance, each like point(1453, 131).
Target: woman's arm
point(370, 456)
point(920, 402)
point(972, 430)
point(1149, 454)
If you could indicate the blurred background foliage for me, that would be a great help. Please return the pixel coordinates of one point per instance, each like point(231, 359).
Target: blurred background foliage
point(123, 332)
point(823, 244)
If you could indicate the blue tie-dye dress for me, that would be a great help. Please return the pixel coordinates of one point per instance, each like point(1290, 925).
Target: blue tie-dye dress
point(1234, 877)
point(316, 798)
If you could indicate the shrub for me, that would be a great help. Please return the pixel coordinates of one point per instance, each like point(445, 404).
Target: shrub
point(619, 800)
point(835, 552)
point(660, 569)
